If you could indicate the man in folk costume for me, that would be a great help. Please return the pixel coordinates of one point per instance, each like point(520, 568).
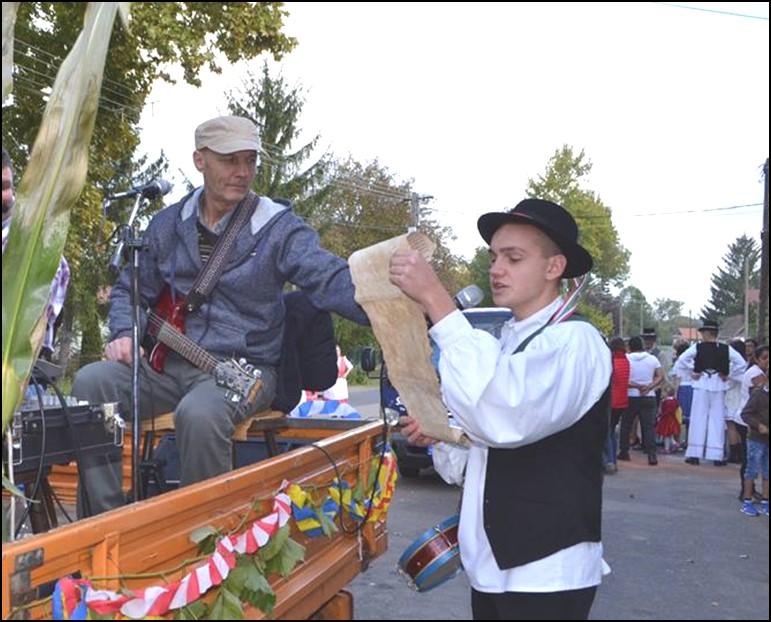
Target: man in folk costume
point(709, 364)
point(535, 404)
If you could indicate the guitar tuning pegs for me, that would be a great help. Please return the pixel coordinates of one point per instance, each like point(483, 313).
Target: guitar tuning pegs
point(242, 362)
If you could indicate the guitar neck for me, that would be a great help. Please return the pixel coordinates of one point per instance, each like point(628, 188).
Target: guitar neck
point(181, 344)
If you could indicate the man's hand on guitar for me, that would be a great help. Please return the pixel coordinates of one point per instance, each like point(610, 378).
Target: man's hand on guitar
point(120, 350)
point(411, 429)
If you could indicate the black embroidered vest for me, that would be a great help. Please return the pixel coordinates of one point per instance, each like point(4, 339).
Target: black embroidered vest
point(711, 357)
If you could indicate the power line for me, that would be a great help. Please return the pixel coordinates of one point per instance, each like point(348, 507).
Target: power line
point(719, 12)
point(602, 216)
point(697, 211)
point(122, 88)
point(52, 77)
point(352, 186)
point(42, 85)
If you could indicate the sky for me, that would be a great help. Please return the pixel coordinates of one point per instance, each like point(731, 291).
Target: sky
point(669, 102)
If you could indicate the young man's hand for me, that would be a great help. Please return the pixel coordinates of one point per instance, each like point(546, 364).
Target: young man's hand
point(410, 428)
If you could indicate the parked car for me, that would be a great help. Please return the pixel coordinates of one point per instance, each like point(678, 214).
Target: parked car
point(411, 457)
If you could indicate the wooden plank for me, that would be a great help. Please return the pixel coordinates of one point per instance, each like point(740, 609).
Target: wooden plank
point(153, 535)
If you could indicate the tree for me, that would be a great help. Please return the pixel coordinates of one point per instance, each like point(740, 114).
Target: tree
point(188, 34)
point(637, 313)
point(352, 205)
point(561, 184)
point(365, 205)
point(668, 316)
point(727, 290)
point(666, 309)
point(282, 171)
point(479, 271)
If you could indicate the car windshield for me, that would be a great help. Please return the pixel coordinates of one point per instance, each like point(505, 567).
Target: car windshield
point(490, 321)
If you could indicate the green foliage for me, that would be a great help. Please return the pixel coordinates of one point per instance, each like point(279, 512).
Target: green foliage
point(227, 606)
point(282, 172)
point(637, 311)
point(163, 34)
point(288, 557)
point(479, 271)
point(206, 539)
point(281, 554)
point(357, 376)
point(602, 321)
point(194, 611)
point(257, 590)
point(274, 545)
point(561, 184)
point(669, 317)
point(48, 190)
point(364, 205)
point(727, 289)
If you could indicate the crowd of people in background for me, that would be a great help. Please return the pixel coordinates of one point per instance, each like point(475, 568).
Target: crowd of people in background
point(711, 403)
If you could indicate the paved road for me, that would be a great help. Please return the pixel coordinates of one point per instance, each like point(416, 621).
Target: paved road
point(674, 537)
point(366, 399)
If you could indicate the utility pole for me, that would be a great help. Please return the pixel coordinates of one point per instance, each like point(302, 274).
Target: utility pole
point(763, 302)
point(415, 201)
point(747, 297)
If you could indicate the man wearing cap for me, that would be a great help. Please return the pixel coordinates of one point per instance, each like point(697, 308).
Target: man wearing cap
point(710, 364)
point(242, 317)
point(535, 404)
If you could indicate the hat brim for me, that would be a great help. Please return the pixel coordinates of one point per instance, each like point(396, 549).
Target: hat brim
point(579, 261)
point(232, 146)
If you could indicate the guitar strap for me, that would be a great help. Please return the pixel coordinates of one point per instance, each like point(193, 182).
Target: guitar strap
point(212, 270)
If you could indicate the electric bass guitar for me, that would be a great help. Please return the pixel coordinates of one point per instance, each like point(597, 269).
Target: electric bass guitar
point(166, 322)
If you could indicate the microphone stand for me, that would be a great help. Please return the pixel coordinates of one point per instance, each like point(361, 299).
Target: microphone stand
point(131, 240)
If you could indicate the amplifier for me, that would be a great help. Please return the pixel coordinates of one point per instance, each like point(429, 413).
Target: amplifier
point(96, 428)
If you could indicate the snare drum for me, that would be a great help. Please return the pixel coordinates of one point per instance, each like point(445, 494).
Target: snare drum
point(434, 557)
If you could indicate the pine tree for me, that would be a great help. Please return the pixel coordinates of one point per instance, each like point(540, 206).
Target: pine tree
point(727, 290)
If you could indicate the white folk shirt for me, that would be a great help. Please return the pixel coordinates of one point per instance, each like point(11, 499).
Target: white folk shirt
point(711, 382)
point(509, 401)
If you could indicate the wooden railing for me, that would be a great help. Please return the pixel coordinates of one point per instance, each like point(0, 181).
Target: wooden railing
point(154, 535)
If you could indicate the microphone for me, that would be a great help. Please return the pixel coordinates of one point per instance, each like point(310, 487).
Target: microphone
point(152, 190)
point(470, 296)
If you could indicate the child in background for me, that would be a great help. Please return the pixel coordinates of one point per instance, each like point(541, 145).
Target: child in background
point(668, 424)
point(755, 415)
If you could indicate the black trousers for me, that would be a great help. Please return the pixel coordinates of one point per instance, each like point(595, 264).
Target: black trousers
point(568, 605)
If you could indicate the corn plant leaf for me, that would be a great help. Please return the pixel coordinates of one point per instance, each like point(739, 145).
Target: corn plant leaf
point(52, 181)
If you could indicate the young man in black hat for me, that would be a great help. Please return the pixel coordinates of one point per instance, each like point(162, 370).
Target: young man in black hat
point(535, 404)
point(710, 364)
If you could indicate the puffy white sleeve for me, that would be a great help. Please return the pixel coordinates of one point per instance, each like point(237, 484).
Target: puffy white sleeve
point(504, 400)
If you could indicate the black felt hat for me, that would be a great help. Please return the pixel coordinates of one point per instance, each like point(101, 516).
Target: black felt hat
point(555, 221)
point(709, 325)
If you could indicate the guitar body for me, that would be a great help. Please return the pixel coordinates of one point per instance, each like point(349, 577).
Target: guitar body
point(166, 322)
point(173, 312)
